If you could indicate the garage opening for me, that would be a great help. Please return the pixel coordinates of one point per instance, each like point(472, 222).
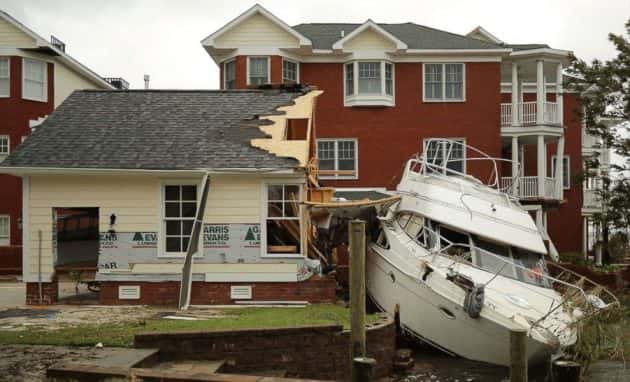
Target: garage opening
point(76, 244)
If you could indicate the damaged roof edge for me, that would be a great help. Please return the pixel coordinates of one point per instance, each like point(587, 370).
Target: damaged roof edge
point(26, 171)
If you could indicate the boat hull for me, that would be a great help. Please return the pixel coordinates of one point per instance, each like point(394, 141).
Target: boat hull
point(441, 321)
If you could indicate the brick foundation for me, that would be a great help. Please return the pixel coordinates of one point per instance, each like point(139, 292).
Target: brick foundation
point(320, 351)
point(50, 293)
point(315, 290)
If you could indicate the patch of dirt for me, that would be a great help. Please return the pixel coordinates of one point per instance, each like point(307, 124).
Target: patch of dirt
point(29, 363)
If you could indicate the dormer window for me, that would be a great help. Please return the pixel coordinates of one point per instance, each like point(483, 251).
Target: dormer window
point(258, 70)
point(369, 83)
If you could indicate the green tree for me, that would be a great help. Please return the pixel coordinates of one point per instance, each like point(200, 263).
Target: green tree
point(603, 88)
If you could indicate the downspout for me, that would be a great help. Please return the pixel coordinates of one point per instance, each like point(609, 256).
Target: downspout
point(39, 265)
point(193, 247)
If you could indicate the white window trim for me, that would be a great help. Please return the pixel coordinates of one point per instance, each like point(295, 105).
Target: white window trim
point(263, 221)
point(8, 94)
point(161, 242)
point(356, 99)
point(4, 155)
point(45, 99)
point(460, 139)
point(7, 241)
point(568, 172)
point(225, 71)
point(356, 158)
point(297, 69)
point(443, 99)
point(268, 68)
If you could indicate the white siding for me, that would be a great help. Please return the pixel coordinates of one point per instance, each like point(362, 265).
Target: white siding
point(134, 200)
point(257, 30)
point(13, 37)
point(369, 40)
point(67, 81)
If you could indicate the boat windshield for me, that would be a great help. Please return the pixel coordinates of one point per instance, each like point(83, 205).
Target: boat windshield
point(496, 258)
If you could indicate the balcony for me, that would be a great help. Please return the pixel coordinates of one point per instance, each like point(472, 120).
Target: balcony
point(591, 200)
point(527, 114)
point(528, 188)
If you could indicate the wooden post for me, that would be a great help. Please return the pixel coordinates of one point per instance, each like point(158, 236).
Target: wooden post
point(518, 355)
point(356, 231)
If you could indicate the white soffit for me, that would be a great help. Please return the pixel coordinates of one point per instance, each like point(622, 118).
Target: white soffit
point(210, 40)
point(400, 45)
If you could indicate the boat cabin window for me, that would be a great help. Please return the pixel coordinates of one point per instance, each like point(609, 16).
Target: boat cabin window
point(455, 242)
point(511, 262)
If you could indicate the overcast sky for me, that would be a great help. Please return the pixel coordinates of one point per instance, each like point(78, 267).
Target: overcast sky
point(162, 38)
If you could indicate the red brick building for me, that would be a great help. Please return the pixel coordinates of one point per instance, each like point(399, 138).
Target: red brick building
point(35, 77)
point(389, 87)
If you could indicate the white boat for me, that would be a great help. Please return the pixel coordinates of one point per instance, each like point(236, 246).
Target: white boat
point(466, 265)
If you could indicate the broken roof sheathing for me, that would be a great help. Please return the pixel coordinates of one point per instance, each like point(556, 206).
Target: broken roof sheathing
point(157, 130)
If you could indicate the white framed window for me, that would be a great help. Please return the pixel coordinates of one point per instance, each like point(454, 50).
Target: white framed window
point(455, 153)
point(566, 170)
point(290, 71)
point(179, 206)
point(5, 77)
point(5, 146)
point(338, 158)
point(34, 80)
point(258, 70)
point(5, 230)
point(369, 83)
point(444, 82)
point(282, 226)
point(229, 74)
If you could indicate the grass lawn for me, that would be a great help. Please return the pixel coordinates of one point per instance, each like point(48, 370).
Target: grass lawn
point(121, 333)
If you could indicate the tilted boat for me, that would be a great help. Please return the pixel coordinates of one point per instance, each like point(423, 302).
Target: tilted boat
point(466, 264)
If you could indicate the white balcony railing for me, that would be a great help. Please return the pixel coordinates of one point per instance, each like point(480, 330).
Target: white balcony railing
point(528, 187)
point(527, 113)
point(591, 199)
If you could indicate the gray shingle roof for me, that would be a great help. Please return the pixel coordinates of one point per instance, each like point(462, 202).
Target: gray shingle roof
point(324, 35)
point(517, 47)
point(155, 129)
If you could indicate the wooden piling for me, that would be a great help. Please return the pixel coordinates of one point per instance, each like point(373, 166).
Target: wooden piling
point(518, 355)
point(565, 371)
point(356, 233)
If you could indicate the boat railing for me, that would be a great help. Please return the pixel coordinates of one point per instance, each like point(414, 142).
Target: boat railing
point(576, 291)
point(448, 157)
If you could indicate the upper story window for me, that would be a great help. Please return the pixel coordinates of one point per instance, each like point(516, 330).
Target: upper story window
point(566, 170)
point(290, 71)
point(444, 82)
point(5, 83)
point(4, 146)
point(337, 158)
point(5, 230)
point(34, 80)
point(257, 70)
point(229, 73)
point(451, 149)
point(369, 83)
point(180, 206)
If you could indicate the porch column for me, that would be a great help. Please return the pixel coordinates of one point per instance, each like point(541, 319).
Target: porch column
point(515, 94)
point(559, 169)
point(559, 91)
point(515, 170)
point(585, 237)
point(541, 162)
point(540, 92)
point(539, 220)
